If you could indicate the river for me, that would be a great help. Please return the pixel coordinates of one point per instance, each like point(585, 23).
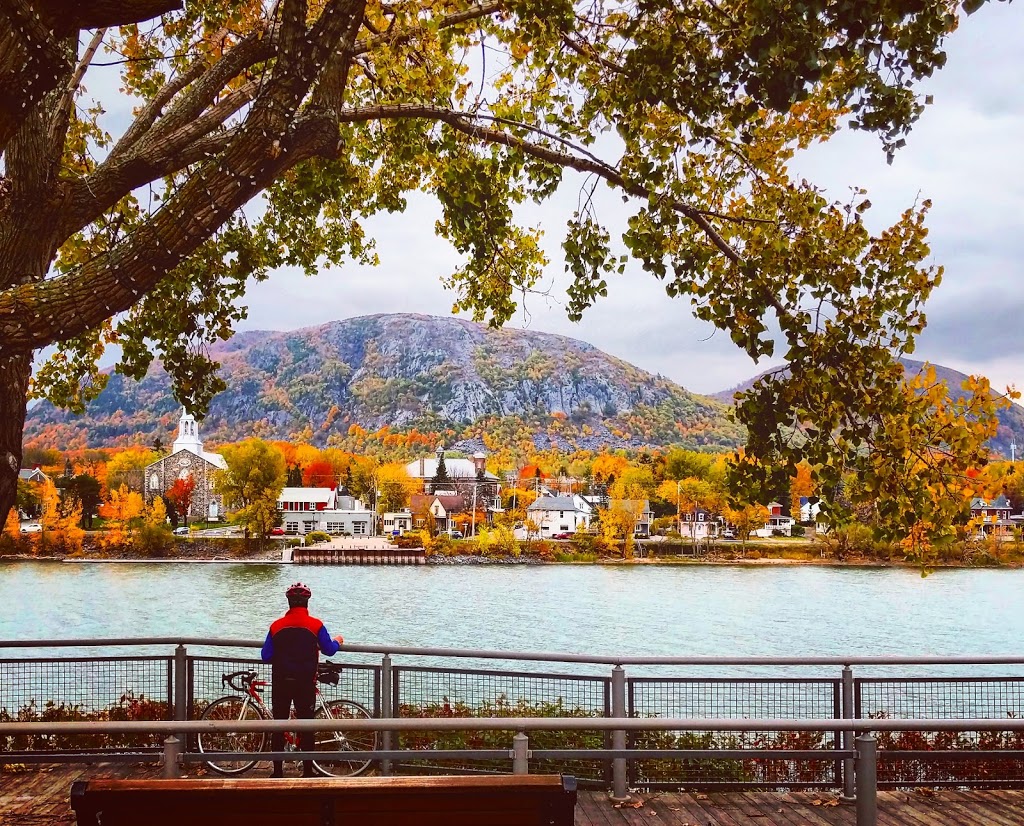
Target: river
point(650, 610)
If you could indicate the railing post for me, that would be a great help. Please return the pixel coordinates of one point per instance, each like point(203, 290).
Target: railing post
point(181, 690)
point(619, 790)
point(172, 751)
point(867, 780)
point(386, 710)
point(520, 753)
point(849, 787)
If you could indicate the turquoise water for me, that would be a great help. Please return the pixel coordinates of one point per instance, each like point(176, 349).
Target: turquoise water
point(650, 610)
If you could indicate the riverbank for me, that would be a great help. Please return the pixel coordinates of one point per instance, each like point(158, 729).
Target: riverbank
point(273, 557)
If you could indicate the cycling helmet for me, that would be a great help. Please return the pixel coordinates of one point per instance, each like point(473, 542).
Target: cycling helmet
point(298, 590)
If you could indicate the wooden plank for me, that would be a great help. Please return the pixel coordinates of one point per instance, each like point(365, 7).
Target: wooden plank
point(589, 809)
point(772, 808)
point(681, 808)
point(1010, 801)
point(915, 809)
point(989, 803)
point(719, 810)
point(800, 806)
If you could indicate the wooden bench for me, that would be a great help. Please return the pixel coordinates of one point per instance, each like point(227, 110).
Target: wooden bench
point(502, 800)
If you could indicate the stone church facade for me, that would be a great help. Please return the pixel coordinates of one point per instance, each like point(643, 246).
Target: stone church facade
point(187, 458)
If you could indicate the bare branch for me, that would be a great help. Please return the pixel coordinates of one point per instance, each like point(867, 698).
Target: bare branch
point(62, 114)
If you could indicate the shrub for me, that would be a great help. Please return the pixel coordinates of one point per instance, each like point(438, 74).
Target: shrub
point(588, 543)
point(411, 539)
point(317, 536)
point(797, 530)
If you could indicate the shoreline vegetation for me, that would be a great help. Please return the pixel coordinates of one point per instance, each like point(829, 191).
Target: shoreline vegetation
point(824, 553)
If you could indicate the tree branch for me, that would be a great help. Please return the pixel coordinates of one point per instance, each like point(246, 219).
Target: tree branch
point(32, 63)
point(366, 44)
point(464, 123)
point(62, 114)
point(111, 283)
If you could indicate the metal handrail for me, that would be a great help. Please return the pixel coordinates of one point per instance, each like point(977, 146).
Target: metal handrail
point(540, 656)
point(858, 725)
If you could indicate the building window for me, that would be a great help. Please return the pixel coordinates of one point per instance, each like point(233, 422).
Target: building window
point(358, 528)
point(335, 527)
point(291, 527)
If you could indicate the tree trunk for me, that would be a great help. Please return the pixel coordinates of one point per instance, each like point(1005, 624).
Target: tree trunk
point(14, 375)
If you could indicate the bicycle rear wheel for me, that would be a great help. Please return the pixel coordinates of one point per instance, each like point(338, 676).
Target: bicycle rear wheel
point(339, 742)
point(231, 707)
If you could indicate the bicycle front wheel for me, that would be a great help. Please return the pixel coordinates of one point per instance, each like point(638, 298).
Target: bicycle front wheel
point(339, 742)
point(231, 708)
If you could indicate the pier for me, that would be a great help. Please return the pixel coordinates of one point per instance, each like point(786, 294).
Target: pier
point(355, 550)
point(34, 797)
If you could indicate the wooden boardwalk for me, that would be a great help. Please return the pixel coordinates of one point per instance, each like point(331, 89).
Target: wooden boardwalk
point(40, 796)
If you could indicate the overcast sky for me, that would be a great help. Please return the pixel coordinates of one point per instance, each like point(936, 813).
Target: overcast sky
point(964, 154)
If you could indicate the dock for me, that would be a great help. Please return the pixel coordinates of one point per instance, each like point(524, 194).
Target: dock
point(41, 796)
point(355, 550)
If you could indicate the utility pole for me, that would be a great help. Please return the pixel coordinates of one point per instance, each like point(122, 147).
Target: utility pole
point(473, 530)
point(1013, 451)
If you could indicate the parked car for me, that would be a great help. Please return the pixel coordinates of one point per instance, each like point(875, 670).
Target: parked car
point(455, 534)
point(181, 531)
point(32, 527)
point(277, 531)
point(562, 535)
point(728, 533)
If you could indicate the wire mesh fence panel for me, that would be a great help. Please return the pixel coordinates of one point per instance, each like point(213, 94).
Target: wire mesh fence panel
point(955, 698)
point(716, 698)
point(437, 692)
point(84, 689)
point(355, 682)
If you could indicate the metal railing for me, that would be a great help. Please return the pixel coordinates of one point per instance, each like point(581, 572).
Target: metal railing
point(613, 729)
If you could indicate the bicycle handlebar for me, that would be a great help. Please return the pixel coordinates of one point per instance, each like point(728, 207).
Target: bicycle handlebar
point(245, 677)
point(326, 672)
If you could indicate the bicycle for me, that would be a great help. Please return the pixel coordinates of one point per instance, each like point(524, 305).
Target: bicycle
point(249, 705)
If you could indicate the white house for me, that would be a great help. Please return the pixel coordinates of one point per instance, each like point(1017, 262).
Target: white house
point(322, 509)
point(809, 510)
point(187, 458)
point(699, 524)
point(396, 523)
point(32, 475)
point(458, 470)
point(560, 514)
point(776, 524)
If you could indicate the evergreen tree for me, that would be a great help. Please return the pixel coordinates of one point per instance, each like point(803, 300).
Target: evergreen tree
point(441, 478)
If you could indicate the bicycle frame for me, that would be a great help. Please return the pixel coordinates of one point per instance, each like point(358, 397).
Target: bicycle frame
point(253, 695)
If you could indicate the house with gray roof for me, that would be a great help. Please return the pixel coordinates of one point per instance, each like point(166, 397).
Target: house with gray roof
point(32, 475)
point(560, 514)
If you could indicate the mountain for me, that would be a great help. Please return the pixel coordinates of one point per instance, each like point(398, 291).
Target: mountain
point(1011, 420)
point(476, 385)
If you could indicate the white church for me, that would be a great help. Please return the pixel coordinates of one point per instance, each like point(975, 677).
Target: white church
point(187, 458)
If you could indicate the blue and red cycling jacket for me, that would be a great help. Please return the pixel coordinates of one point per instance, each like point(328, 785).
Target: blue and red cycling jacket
point(293, 644)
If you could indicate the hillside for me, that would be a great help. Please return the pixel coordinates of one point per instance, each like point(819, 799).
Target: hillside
point(443, 375)
point(1011, 420)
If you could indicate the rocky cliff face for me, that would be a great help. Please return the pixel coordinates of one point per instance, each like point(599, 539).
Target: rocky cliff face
point(407, 371)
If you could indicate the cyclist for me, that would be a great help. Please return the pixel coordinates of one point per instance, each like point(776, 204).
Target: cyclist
point(291, 649)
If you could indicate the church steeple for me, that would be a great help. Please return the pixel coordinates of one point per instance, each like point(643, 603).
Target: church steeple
point(188, 435)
